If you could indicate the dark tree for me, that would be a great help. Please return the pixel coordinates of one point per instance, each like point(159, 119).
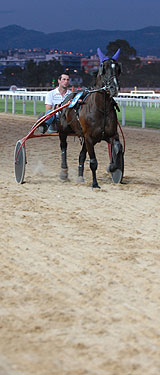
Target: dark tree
point(126, 50)
point(12, 74)
point(130, 63)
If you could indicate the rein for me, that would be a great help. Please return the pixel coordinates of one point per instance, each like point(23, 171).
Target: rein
point(122, 135)
point(104, 88)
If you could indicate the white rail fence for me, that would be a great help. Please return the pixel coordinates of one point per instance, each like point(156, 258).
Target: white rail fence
point(23, 96)
point(138, 102)
point(123, 99)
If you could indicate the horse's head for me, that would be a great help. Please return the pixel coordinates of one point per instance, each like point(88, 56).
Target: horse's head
point(109, 71)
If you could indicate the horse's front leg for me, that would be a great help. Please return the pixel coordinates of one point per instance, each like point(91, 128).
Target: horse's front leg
point(114, 150)
point(93, 162)
point(64, 166)
point(116, 166)
point(82, 158)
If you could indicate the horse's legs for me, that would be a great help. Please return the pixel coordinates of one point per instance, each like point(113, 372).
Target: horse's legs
point(93, 162)
point(82, 158)
point(64, 166)
point(93, 166)
point(116, 155)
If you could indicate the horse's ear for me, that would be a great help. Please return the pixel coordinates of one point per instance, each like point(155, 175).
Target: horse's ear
point(116, 55)
point(101, 56)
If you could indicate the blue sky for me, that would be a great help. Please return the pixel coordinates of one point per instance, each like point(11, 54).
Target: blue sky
point(63, 15)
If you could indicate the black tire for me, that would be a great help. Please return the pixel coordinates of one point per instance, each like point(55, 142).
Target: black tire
point(19, 162)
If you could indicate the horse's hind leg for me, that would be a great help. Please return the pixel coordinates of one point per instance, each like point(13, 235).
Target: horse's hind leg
point(64, 166)
point(82, 158)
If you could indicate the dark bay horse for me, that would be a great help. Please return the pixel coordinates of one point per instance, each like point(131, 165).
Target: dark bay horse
point(93, 118)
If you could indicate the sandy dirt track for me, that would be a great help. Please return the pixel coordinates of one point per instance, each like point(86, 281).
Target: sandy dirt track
point(80, 268)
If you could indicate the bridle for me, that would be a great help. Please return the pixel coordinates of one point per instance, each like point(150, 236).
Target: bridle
point(109, 73)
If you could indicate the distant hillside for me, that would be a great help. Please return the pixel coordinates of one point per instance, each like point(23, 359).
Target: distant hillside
point(146, 41)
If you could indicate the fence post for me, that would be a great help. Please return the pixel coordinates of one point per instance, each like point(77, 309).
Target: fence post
point(13, 104)
point(123, 113)
point(34, 104)
point(143, 115)
point(6, 104)
point(24, 106)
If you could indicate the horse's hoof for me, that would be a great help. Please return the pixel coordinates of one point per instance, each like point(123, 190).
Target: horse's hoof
point(64, 174)
point(80, 179)
point(111, 168)
point(96, 186)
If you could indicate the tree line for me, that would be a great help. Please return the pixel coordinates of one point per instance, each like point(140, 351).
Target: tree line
point(134, 72)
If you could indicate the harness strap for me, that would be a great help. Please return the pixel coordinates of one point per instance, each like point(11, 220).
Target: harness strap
point(105, 115)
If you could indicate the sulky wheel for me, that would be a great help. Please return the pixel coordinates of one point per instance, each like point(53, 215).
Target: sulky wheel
point(20, 162)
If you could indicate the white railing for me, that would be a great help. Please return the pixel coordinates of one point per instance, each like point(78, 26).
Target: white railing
point(123, 99)
point(24, 96)
point(143, 103)
point(28, 95)
point(140, 94)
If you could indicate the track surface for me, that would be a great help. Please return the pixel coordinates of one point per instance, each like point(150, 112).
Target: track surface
point(79, 285)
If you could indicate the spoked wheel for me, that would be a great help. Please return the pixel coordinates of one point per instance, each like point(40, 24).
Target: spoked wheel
point(19, 162)
point(116, 167)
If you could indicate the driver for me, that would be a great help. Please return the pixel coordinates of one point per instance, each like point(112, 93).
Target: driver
point(52, 101)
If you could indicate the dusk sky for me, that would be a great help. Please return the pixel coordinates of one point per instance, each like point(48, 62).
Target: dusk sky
point(62, 15)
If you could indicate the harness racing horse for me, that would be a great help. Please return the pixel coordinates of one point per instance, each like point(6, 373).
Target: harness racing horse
point(93, 118)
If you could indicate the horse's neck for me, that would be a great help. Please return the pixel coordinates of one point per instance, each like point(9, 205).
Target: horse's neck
point(103, 101)
point(99, 82)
